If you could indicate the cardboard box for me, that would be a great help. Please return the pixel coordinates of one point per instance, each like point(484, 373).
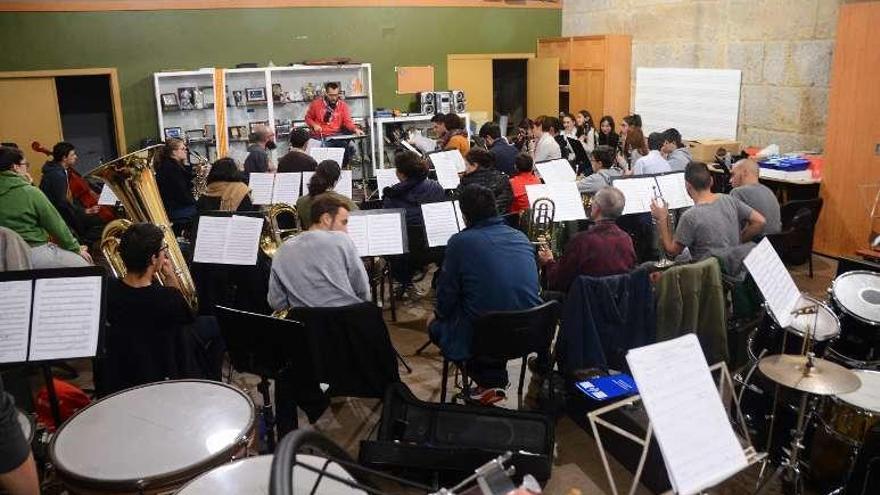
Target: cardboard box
point(704, 150)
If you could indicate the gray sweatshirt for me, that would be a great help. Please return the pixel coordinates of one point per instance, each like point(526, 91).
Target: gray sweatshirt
point(317, 269)
point(679, 159)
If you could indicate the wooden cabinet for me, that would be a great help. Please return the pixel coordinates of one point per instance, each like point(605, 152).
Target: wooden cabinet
point(594, 73)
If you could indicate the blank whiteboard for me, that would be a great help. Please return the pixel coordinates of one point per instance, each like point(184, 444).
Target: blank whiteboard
point(700, 103)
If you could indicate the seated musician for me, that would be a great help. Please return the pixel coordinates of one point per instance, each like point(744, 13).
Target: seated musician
point(145, 320)
point(525, 176)
point(653, 162)
point(226, 189)
point(505, 153)
point(55, 183)
point(677, 153)
point(175, 181)
point(489, 266)
point(320, 267)
point(450, 133)
point(712, 225)
point(27, 211)
point(413, 190)
point(330, 116)
point(18, 471)
point(747, 188)
point(297, 160)
point(480, 169)
point(544, 130)
point(605, 249)
point(262, 141)
point(604, 162)
point(325, 179)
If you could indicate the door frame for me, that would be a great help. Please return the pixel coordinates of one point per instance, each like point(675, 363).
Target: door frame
point(116, 100)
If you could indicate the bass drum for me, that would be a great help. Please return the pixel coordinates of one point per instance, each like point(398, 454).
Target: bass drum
point(153, 438)
point(856, 297)
point(251, 477)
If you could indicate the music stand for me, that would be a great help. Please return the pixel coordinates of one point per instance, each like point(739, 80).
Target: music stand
point(261, 345)
point(580, 153)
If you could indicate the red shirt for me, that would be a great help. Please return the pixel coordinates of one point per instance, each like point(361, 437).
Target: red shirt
point(518, 183)
point(605, 249)
point(340, 118)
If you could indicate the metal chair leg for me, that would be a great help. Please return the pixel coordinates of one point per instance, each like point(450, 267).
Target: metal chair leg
point(443, 381)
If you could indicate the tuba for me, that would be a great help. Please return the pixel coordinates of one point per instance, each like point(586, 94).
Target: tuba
point(273, 234)
point(133, 180)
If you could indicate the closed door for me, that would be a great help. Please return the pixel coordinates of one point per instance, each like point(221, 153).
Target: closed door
point(542, 87)
point(474, 77)
point(30, 113)
point(588, 54)
point(588, 92)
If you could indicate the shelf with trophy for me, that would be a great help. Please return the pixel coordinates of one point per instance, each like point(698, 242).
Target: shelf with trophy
point(185, 108)
point(248, 106)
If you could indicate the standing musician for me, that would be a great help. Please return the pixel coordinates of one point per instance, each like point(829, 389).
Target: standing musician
point(330, 116)
point(56, 184)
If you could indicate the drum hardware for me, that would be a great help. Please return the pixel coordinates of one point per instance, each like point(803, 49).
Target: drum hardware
point(855, 295)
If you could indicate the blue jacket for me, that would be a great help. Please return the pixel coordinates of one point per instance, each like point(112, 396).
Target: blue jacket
point(488, 267)
point(505, 157)
point(411, 194)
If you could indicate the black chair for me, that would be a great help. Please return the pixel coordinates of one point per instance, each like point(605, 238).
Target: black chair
point(506, 335)
point(795, 242)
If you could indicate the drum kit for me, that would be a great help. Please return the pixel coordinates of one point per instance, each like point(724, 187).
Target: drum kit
point(811, 394)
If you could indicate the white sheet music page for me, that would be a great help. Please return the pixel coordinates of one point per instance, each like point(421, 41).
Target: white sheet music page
point(357, 231)
point(211, 239)
point(459, 215)
point(385, 234)
point(15, 320)
point(321, 154)
point(672, 187)
point(567, 202)
point(681, 398)
point(343, 186)
point(638, 192)
point(287, 188)
point(262, 186)
point(307, 176)
point(558, 170)
point(446, 166)
point(242, 240)
point(774, 281)
point(107, 197)
point(67, 317)
point(441, 222)
point(385, 177)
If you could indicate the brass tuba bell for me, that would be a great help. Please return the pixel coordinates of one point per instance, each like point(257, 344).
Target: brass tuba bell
point(273, 234)
point(133, 180)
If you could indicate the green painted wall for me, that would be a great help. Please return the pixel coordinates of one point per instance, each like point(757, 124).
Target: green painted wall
point(140, 43)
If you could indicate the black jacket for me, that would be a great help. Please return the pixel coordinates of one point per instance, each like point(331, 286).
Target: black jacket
point(497, 181)
point(55, 186)
point(175, 184)
point(411, 194)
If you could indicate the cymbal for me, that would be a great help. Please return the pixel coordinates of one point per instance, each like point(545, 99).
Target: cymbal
point(825, 378)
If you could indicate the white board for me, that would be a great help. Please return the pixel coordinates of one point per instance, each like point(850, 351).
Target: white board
point(700, 103)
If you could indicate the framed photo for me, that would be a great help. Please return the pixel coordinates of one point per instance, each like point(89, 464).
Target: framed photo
point(282, 130)
point(238, 133)
point(210, 132)
point(186, 98)
point(208, 95)
point(195, 135)
point(238, 97)
point(173, 132)
point(255, 94)
point(169, 101)
point(252, 126)
point(277, 94)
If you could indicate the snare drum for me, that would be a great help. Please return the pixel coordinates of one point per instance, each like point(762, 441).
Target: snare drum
point(251, 477)
point(27, 425)
point(856, 296)
point(152, 438)
point(773, 339)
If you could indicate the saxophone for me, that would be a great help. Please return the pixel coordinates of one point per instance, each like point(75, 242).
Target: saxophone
point(201, 169)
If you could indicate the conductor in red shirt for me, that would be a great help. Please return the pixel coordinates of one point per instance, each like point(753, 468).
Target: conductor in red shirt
point(330, 116)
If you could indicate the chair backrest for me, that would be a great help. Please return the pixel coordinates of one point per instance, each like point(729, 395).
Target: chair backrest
point(514, 334)
point(800, 214)
point(259, 344)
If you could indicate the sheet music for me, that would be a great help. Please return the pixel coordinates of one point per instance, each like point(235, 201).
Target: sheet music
point(446, 164)
point(312, 144)
point(321, 154)
point(442, 221)
point(287, 188)
point(459, 215)
point(357, 231)
point(424, 144)
point(411, 147)
point(385, 177)
point(638, 191)
point(242, 240)
point(565, 196)
point(693, 431)
point(211, 239)
point(385, 234)
point(307, 176)
point(343, 186)
point(558, 170)
point(262, 185)
point(672, 187)
point(15, 320)
point(773, 280)
point(107, 197)
point(67, 317)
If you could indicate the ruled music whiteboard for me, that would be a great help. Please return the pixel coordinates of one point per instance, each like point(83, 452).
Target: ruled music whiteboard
point(700, 103)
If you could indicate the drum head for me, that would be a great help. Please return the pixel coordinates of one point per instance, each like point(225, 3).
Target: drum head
point(251, 477)
point(826, 322)
point(153, 431)
point(858, 294)
point(27, 427)
point(868, 395)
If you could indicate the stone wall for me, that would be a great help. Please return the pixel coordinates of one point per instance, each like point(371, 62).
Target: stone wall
point(783, 47)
